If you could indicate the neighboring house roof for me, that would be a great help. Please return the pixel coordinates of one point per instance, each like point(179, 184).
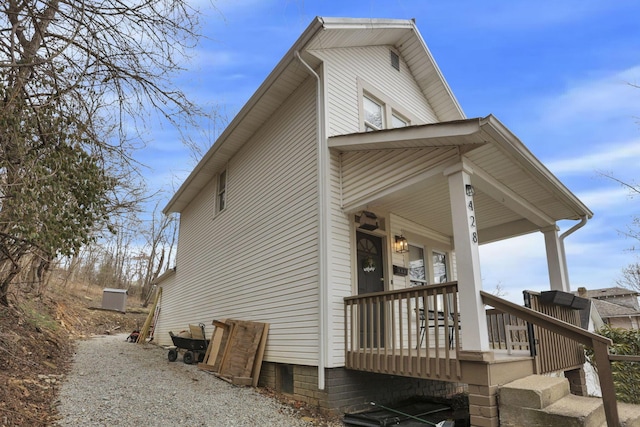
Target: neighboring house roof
point(606, 293)
point(322, 33)
point(608, 309)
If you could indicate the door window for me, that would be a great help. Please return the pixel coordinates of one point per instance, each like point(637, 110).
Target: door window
point(440, 273)
point(417, 268)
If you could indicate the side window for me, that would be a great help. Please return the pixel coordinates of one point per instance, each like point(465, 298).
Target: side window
point(221, 200)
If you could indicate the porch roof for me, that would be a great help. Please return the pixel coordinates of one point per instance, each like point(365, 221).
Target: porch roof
point(505, 172)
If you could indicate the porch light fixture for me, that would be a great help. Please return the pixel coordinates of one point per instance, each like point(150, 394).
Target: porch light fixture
point(402, 246)
point(469, 190)
point(368, 221)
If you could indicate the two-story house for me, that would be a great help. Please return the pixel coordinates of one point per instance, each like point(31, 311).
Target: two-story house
point(344, 205)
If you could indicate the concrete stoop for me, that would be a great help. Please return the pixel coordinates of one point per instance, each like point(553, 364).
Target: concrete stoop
point(539, 401)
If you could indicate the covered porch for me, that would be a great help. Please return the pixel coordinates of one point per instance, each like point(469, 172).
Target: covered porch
point(459, 184)
point(417, 333)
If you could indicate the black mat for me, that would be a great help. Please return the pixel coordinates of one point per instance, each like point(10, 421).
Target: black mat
point(377, 416)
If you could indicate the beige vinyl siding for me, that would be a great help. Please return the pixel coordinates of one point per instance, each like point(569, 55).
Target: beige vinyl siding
point(340, 282)
point(257, 260)
point(370, 172)
point(345, 66)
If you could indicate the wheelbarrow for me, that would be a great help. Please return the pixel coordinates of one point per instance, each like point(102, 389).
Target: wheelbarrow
point(195, 348)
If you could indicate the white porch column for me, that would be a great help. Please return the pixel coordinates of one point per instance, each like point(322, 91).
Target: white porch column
point(555, 259)
point(473, 322)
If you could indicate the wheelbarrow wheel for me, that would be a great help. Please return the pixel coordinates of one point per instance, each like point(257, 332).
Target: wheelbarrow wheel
point(188, 358)
point(173, 355)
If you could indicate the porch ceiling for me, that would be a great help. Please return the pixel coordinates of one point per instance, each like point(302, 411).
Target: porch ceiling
point(515, 193)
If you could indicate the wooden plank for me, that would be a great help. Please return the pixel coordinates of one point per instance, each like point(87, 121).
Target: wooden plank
point(241, 380)
point(242, 348)
point(257, 364)
point(142, 337)
point(205, 367)
point(215, 345)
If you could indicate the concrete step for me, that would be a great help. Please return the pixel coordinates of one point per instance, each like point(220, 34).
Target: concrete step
point(534, 391)
point(629, 415)
point(569, 411)
point(538, 401)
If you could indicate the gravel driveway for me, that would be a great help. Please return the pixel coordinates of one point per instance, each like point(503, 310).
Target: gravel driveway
point(113, 382)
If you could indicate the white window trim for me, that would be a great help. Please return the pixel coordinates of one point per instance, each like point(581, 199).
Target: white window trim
point(390, 106)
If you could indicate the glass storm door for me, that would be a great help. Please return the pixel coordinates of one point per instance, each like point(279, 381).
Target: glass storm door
point(370, 279)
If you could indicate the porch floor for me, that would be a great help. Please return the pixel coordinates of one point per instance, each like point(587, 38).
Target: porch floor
point(442, 364)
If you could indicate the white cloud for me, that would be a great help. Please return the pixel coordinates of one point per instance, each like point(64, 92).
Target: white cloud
point(605, 198)
point(610, 96)
point(610, 158)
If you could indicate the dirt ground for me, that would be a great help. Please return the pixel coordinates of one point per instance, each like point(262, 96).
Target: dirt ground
point(37, 336)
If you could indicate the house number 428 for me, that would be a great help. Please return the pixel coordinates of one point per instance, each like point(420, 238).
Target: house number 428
point(472, 224)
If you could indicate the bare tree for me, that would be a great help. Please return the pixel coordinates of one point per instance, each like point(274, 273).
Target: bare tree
point(160, 238)
point(76, 81)
point(630, 277)
point(630, 274)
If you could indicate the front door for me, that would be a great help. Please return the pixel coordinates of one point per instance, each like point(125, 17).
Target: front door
point(370, 279)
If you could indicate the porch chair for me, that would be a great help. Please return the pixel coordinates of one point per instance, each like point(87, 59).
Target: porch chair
point(431, 315)
point(516, 331)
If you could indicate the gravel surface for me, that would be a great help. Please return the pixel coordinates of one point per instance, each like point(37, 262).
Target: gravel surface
point(113, 382)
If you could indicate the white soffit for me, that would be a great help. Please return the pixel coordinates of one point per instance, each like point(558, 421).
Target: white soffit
point(490, 146)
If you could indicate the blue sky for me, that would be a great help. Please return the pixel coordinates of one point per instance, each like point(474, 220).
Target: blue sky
point(558, 74)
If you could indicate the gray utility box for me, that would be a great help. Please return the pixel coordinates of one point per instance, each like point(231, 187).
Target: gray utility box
point(114, 299)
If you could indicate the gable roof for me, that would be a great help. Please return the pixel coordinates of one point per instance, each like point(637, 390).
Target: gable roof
point(288, 75)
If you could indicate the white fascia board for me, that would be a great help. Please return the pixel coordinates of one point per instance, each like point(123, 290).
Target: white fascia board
point(331, 23)
point(419, 134)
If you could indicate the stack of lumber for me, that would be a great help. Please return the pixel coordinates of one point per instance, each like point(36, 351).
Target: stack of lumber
point(235, 351)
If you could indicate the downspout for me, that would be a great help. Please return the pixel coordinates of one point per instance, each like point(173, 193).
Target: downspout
point(583, 221)
point(322, 226)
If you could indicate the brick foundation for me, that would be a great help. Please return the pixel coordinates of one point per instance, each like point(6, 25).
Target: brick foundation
point(577, 381)
point(347, 390)
point(483, 406)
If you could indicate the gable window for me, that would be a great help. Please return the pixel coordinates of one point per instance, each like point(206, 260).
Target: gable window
point(222, 191)
point(398, 121)
point(373, 114)
point(379, 113)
